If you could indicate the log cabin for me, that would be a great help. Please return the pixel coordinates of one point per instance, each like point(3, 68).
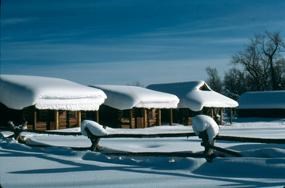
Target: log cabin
point(45, 103)
point(135, 107)
point(265, 104)
point(196, 97)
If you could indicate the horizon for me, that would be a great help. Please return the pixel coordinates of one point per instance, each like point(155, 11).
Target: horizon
point(129, 41)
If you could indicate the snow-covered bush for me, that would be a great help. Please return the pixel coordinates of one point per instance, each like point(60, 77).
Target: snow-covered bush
point(202, 123)
point(95, 128)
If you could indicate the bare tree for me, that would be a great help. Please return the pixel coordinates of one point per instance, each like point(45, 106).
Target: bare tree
point(235, 83)
point(280, 73)
point(251, 62)
point(271, 46)
point(260, 66)
point(214, 80)
point(261, 61)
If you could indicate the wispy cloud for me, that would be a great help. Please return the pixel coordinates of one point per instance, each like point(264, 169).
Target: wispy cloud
point(13, 21)
point(135, 49)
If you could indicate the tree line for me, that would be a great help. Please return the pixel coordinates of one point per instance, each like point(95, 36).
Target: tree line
point(259, 66)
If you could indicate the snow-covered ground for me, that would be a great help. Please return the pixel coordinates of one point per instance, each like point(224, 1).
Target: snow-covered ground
point(263, 165)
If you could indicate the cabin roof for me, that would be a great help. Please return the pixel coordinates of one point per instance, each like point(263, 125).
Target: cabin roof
point(20, 91)
point(195, 95)
point(124, 97)
point(262, 100)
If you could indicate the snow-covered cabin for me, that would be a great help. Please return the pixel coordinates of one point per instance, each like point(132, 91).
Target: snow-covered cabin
point(134, 107)
point(196, 97)
point(46, 103)
point(262, 104)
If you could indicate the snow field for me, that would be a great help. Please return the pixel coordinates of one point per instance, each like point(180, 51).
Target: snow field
point(263, 165)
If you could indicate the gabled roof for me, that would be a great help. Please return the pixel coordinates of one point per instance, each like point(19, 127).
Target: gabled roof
point(262, 100)
point(19, 91)
point(127, 97)
point(195, 95)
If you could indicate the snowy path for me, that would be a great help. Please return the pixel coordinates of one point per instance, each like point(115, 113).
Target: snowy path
point(261, 129)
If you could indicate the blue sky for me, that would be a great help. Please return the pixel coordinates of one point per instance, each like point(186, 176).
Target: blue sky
point(124, 41)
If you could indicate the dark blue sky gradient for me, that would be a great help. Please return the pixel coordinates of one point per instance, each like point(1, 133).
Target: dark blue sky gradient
point(123, 41)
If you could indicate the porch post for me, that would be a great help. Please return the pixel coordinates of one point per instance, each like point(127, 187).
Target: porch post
point(35, 119)
point(221, 116)
point(97, 116)
point(131, 119)
point(145, 118)
point(171, 117)
point(231, 116)
point(159, 116)
point(79, 118)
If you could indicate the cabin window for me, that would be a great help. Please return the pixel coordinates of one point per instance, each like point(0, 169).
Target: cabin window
point(205, 88)
point(151, 114)
point(71, 114)
point(125, 114)
point(43, 115)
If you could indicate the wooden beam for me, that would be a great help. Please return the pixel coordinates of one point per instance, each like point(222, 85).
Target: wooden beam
point(97, 119)
point(79, 118)
point(171, 116)
point(35, 119)
point(159, 116)
point(222, 116)
point(231, 116)
point(145, 124)
point(131, 119)
point(56, 119)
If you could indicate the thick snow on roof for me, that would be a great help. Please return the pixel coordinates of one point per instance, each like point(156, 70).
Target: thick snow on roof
point(19, 91)
point(263, 100)
point(127, 97)
point(195, 95)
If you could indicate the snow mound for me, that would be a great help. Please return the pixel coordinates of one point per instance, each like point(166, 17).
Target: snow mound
point(202, 122)
point(95, 128)
point(127, 97)
point(19, 91)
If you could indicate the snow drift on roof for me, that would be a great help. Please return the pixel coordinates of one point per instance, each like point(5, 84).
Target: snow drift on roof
point(263, 100)
point(19, 91)
point(127, 97)
point(195, 95)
